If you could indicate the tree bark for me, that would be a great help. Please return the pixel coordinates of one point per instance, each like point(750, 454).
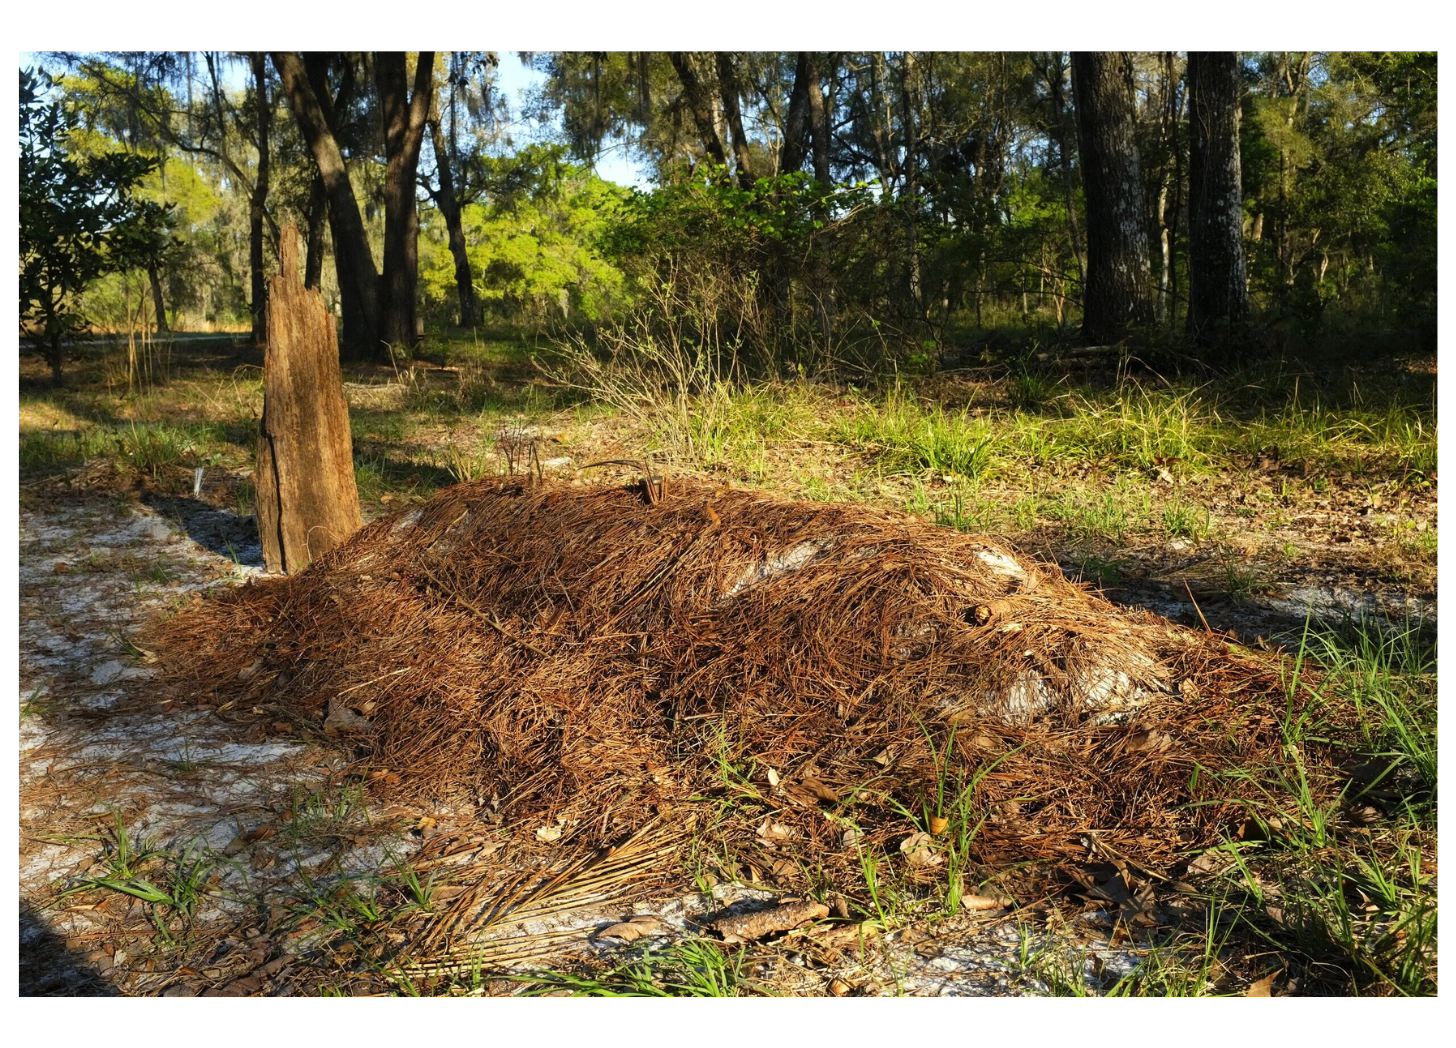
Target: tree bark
point(1055, 77)
point(819, 121)
point(1218, 298)
point(697, 101)
point(159, 304)
point(318, 217)
point(819, 140)
point(306, 496)
point(729, 90)
point(449, 204)
point(796, 122)
point(258, 203)
point(1117, 293)
point(358, 279)
point(403, 115)
point(911, 188)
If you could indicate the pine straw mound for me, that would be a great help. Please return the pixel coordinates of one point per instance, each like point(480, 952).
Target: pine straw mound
point(564, 653)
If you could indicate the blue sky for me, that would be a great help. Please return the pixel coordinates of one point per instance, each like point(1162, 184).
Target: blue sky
point(516, 79)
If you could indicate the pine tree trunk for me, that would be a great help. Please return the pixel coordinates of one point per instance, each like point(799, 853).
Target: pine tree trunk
point(1118, 292)
point(1218, 298)
point(306, 496)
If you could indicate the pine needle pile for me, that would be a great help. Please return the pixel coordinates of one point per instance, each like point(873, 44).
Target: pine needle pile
point(562, 654)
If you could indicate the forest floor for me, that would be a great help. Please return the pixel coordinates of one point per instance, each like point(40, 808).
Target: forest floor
point(166, 849)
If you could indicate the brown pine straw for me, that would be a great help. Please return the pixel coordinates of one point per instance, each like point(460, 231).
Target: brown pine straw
point(567, 655)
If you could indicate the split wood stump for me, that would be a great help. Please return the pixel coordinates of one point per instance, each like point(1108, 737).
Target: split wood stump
point(307, 500)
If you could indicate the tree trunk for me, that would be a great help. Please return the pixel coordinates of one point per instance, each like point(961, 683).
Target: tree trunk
point(796, 123)
point(258, 204)
point(729, 90)
point(880, 122)
point(159, 305)
point(318, 217)
point(819, 121)
point(1218, 298)
point(1118, 293)
point(1055, 79)
point(358, 279)
point(403, 116)
point(697, 101)
point(819, 141)
point(306, 496)
point(911, 189)
point(449, 205)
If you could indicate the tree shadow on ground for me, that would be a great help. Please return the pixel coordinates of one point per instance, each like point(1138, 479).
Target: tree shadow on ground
point(220, 531)
point(49, 969)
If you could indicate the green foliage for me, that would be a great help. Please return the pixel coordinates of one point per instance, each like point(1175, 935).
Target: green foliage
point(736, 269)
point(79, 219)
point(1340, 178)
point(531, 242)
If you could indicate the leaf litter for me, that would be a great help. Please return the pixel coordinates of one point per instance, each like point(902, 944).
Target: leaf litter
point(459, 631)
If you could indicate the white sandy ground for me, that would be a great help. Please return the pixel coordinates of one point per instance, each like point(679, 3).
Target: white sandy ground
point(183, 778)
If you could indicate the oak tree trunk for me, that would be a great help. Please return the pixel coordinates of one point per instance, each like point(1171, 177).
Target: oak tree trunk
point(448, 202)
point(699, 106)
point(796, 123)
point(1118, 290)
point(729, 91)
point(306, 497)
point(358, 279)
point(403, 116)
point(1218, 297)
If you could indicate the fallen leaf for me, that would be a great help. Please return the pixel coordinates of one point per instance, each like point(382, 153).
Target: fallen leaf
point(821, 790)
point(774, 831)
point(918, 850)
point(426, 824)
point(986, 902)
point(1215, 860)
point(549, 833)
point(1262, 987)
point(342, 718)
point(638, 926)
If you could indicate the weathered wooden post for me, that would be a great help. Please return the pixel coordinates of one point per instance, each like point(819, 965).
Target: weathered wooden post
point(306, 498)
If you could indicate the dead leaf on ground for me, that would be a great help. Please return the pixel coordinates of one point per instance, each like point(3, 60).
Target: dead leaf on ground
point(342, 718)
point(986, 902)
point(1262, 987)
point(638, 926)
point(918, 850)
point(774, 831)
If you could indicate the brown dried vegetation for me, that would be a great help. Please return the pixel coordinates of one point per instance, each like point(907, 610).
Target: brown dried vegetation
point(568, 654)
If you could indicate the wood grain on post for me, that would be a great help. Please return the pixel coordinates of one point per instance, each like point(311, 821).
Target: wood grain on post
point(307, 500)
